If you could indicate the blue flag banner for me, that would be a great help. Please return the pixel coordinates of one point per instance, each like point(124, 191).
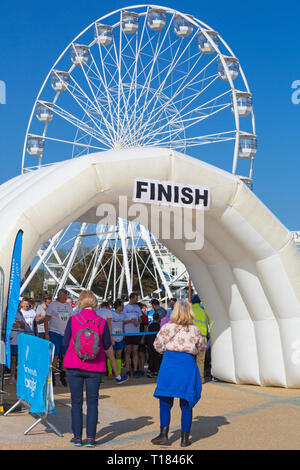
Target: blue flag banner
point(13, 293)
point(33, 384)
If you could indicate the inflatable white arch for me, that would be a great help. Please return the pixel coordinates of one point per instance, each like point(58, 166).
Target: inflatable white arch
point(248, 271)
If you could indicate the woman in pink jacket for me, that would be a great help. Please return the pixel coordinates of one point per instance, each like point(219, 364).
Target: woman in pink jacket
point(88, 342)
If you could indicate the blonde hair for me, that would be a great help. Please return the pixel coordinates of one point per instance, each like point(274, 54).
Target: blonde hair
point(182, 313)
point(87, 299)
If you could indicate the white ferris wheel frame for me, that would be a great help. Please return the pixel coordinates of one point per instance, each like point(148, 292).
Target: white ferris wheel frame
point(201, 27)
point(43, 254)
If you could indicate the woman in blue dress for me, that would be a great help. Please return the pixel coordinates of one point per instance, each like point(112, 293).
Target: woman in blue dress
point(179, 341)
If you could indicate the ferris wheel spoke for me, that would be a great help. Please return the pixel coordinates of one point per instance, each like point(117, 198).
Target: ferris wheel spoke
point(189, 98)
point(74, 143)
point(134, 79)
point(204, 140)
point(66, 115)
point(109, 128)
point(119, 68)
point(80, 124)
point(86, 99)
point(86, 111)
point(192, 121)
point(106, 93)
point(120, 85)
point(188, 121)
point(187, 75)
point(131, 72)
point(184, 86)
point(111, 77)
point(156, 117)
point(147, 82)
point(159, 90)
point(110, 100)
point(205, 105)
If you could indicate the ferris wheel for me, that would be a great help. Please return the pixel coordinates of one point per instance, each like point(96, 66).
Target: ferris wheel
point(144, 75)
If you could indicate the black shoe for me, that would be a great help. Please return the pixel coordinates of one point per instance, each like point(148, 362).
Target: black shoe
point(63, 379)
point(162, 439)
point(128, 373)
point(136, 374)
point(185, 442)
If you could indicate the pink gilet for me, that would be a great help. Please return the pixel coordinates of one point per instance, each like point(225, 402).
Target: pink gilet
point(72, 361)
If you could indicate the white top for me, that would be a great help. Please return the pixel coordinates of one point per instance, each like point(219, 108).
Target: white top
point(117, 325)
point(16, 331)
point(60, 314)
point(130, 312)
point(169, 312)
point(104, 313)
point(41, 312)
point(29, 317)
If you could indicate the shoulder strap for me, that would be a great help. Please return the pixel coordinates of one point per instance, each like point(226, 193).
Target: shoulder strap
point(86, 321)
point(77, 318)
point(100, 321)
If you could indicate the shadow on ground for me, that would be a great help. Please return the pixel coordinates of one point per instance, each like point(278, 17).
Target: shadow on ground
point(202, 428)
point(126, 426)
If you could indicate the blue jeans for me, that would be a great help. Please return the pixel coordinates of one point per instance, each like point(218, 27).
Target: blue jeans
point(76, 379)
point(165, 405)
point(57, 340)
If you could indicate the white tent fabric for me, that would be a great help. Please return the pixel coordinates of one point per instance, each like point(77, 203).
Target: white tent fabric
point(247, 273)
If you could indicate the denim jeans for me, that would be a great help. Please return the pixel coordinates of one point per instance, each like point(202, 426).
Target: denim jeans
point(76, 379)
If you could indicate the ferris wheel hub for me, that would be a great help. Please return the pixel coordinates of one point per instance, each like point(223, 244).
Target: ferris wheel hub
point(119, 146)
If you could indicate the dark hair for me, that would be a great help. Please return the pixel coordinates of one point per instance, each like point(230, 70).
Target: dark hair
point(132, 295)
point(48, 297)
point(154, 302)
point(196, 299)
point(173, 298)
point(104, 305)
point(118, 303)
point(62, 291)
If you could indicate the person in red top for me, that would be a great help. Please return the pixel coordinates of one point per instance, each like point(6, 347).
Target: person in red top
point(81, 371)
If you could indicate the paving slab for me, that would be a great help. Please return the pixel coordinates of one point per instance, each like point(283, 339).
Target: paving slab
point(228, 416)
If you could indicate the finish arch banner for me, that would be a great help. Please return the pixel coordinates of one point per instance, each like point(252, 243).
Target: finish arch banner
point(34, 360)
point(169, 193)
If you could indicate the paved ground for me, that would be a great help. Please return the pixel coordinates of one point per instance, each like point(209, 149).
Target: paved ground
point(227, 417)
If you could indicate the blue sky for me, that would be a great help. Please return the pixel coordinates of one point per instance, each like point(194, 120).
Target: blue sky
point(264, 36)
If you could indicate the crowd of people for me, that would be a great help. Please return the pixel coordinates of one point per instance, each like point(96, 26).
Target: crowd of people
point(131, 337)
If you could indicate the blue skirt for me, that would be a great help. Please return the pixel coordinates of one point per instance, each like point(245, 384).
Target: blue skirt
point(179, 377)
